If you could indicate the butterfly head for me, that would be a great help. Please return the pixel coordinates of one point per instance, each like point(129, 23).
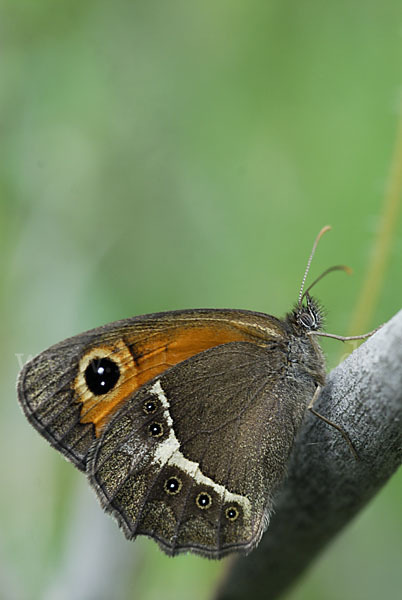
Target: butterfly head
point(309, 316)
point(306, 316)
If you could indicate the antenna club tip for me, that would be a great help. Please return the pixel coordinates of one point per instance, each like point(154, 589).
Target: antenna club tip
point(324, 230)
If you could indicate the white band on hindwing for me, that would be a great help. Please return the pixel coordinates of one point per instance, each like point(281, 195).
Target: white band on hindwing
point(168, 452)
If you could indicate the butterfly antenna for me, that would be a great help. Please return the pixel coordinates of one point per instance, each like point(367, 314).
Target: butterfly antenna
point(317, 239)
point(344, 268)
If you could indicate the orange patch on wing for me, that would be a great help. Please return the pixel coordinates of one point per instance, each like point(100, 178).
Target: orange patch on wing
point(140, 361)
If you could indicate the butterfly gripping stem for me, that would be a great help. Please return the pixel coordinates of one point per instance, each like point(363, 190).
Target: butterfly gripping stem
point(331, 423)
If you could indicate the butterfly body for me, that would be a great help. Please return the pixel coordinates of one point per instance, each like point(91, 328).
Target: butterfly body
point(183, 421)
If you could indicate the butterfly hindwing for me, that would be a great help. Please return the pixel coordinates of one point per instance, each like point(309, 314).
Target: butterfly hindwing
point(194, 456)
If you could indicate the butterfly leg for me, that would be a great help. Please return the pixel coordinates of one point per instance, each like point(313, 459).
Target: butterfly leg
point(315, 396)
point(331, 423)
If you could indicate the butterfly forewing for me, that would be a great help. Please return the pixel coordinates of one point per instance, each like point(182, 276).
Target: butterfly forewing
point(46, 394)
point(54, 388)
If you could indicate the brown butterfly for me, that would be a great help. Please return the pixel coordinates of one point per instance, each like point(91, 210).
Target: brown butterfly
point(183, 421)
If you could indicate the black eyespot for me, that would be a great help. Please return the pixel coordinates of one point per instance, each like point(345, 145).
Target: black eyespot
point(173, 485)
point(232, 513)
point(203, 500)
point(101, 375)
point(149, 406)
point(155, 429)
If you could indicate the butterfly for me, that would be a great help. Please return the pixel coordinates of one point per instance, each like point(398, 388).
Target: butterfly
point(183, 421)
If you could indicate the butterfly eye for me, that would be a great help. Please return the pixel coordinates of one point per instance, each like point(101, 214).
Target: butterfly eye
point(149, 407)
point(311, 315)
point(203, 500)
point(155, 429)
point(231, 513)
point(173, 485)
point(307, 320)
point(101, 375)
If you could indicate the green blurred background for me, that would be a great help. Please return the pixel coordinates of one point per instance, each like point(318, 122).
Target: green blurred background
point(162, 155)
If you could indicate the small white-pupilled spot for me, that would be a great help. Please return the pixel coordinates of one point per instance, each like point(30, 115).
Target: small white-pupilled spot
point(155, 429)
point(149, 407)
point(168, 452)
point(203, 500)
point(173, 485)
point(231, 513)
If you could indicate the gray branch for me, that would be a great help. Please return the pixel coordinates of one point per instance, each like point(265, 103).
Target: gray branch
point(326, 486)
